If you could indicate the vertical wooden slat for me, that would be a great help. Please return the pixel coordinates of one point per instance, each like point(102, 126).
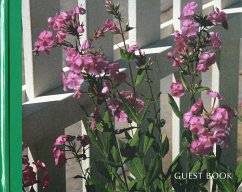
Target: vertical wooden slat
point(35, 15)
point(93, 19)
point(144, 16)
point(183, 102)
point(221, 4)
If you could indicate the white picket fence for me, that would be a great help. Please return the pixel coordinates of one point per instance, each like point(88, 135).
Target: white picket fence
point(47, 110)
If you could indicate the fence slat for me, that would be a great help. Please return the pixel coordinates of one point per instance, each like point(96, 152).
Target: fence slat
point(93, 19)
point(183, 102)
point(35, 17)
point(221, 4)
point(144, 16)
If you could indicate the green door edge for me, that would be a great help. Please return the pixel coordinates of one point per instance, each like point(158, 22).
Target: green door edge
point(11, 96)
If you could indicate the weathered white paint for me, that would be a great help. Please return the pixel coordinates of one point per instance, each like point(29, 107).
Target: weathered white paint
point(35, 16)
point(144, 16)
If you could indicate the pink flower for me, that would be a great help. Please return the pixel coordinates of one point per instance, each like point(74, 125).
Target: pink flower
point(206, 59)
point(78, 10)
point(115, 108)
point(197, 107)
point(96, 117)
point(63, 138)
point(60, 36)
point(46, 179)
point(59, 156)
point(204, 145)
point(44, 42)
point(218, 17)
point(189, 28)
point(77, 94)
point(58, 21)
point(133, 48)
point(120, 77)
point(186, 119)
point(84, 140)
point(169, 55)
point(177, 89)
point(197, 125)
point(73, 60)
point(86, 45)
point(138, 103)
point(189, 9)
point(240, 104)
point(177, 61)
point(29, 176)
point(215, 40)
point(220, 115)
point(72, 81)
point(95, 65)
point(222, 138)
point(122, 117)
point(106, 87)
point(80, 29)
point(110, 26)
point(215, 94)
point(179, 43)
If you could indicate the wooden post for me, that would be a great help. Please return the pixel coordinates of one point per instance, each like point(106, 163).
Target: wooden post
point(94, 19)
point(42, 73)
point(144, 16)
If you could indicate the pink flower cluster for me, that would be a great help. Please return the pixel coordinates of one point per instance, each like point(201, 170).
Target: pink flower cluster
point(63, 23)
point(60, 144)
point(84, 65)
point(108, 25)
point(29, 176)
point(177, 89)
point(209, 128)
point(116, 105)
point(186, 40)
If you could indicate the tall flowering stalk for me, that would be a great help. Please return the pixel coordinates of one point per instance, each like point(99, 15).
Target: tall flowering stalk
point(123, 156)
point(194, 53)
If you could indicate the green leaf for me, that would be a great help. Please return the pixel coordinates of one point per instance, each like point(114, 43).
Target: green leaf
point(184, 82)
point(200, 89)
point(145, 110)
point(123, 54)
point(164, 147)
point(134, 142)
point(106, 117)
point(240, 118)
point(174, 106)
point(197, 166)
point(238, 173)
point(129, 110)
point(154, 170)
point(174, 165)
point(115, 154)
point(148, 142)
point(225, 185)
point(149, 138)
point(211, 163)
point(93, 138)
point(136, 167)
point(140, 77)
